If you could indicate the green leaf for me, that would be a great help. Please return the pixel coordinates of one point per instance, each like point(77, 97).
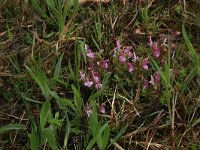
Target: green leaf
point(57, 72)
point(72, 74)
point(48, 135)
point(40, 79)
point(34, 140)
point(82, 50)
point(77, 98)
point(62, 102)
point(105, 137)
point(195, 56)
point(67, 132)
point(37, 5)
point(44, 113)
point(197, 121)
point(96, 137)
point(11, 127)
point(119, 134)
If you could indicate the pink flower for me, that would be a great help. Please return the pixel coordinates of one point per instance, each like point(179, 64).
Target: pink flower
point(130, 67)
point(118, 44)
point(95, 76)
point(105, 64)
point(90, 54)
point(118, 47)
point(88, 112)
point(127, 51)
point(135, 58)
point(145, 64)
point(102, 108)
point(156, 51)
point(82, 75)
point(98, 85)
point(145, 83)
point(88, 83)
point(156, 76)
point(122, 59)
point(150, 41)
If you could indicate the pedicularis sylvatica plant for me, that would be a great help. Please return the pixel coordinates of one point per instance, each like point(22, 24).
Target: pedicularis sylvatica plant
point(124, 61)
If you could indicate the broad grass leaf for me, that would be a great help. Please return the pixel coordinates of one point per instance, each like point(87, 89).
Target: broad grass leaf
point(44, 113)
point(195, 56)
point(34, 140)
point(77, 98)
point(11, 127)
point(96, 138)
point(40, 78)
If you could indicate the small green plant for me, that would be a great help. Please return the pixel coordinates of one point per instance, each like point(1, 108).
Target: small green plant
point(100, 133)
point(57, 13)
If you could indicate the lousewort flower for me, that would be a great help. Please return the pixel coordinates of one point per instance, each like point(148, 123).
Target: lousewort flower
point(106, 64)
point(118, 47)
point(88, 83)
point(135, 57)
point(156, 76)
point(90, 54)
point(145, 64)
point(82, 75)
point(156, 51)
point(145, 83)
point(150, 41)
point(98, 85)
point(127, 51)
point(102, 108)
point(130, 67)
point(118, 44)
point(88, 110)
point(122, 59)
point(96, 77)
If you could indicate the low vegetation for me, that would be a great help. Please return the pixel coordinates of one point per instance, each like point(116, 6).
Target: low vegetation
point(107, 75)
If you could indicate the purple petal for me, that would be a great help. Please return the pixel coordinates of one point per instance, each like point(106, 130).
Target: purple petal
point(150, 41)
point(106, 64)
point(98, 85)
point(90, 54)
point(130, 67)
point(82, 75)
point(118, 44)
point(136, 58)
point(102, 108)
point(145, 83)
point(156, 76)
point(122, 59)
point(145, 64)
point(152, 80)
point(156, 52)
point(88, 83)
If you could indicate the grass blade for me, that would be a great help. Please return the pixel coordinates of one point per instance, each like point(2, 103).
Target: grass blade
point(44, 113)
point(11, 127)
point(195, 57)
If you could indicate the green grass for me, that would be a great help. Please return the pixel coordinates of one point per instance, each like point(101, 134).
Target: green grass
point(45, 103)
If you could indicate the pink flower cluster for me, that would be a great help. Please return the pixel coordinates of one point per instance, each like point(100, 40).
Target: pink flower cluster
point(160, 48)
point(128, 57)
point(159, 52)
point(155, 80)
point(93, 77)
point(125, 57)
